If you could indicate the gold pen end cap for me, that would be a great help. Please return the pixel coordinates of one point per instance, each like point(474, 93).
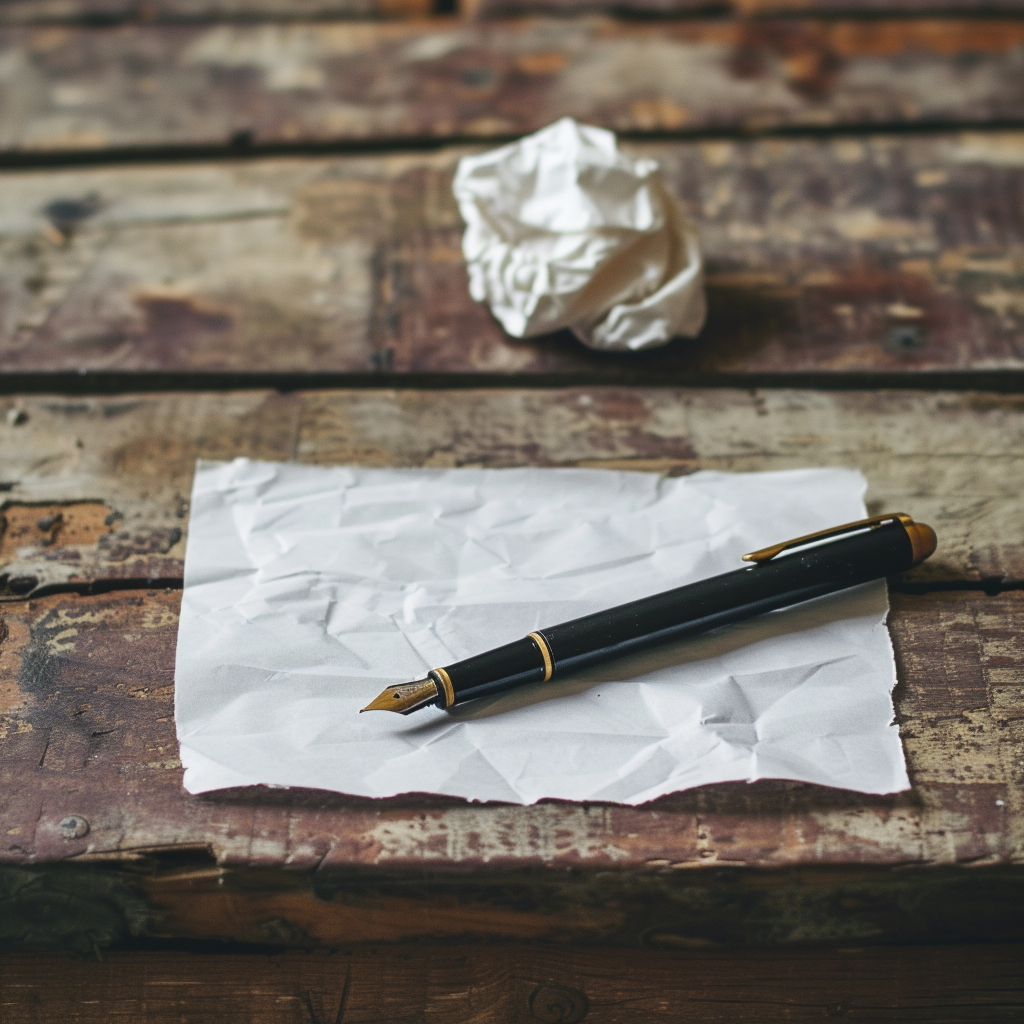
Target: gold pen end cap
point(922, 540)
point(404, 698)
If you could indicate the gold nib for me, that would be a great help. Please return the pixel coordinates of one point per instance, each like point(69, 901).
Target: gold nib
point(405, 697)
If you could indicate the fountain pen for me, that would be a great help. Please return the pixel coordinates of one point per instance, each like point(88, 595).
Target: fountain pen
point(782, 575)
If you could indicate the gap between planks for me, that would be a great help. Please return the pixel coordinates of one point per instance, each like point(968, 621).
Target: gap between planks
point(990, 588)
point(241, 149)
point(100, 384)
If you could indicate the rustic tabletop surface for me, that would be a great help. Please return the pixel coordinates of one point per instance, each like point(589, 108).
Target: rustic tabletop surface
point(227, 228)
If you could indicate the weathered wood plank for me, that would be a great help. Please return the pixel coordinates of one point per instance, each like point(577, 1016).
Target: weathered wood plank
point(129, 86)
point(474, 984)
point(97, 489)
point(89, 778)
point(885, 254)
point(88, 731)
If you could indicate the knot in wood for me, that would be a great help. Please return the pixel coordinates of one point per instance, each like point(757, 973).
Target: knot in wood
point(557, 1004)
point(74, 826)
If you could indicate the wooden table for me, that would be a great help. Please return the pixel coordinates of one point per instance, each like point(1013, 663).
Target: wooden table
point(226, 228)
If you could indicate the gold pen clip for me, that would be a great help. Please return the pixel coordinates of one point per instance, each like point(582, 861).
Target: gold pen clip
point(922, 537)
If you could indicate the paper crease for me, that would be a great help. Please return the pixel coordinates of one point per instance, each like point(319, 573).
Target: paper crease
point(308, 589)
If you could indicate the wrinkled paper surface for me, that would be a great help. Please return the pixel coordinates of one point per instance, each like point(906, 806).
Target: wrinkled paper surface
point(308, 589)
point(563, 230)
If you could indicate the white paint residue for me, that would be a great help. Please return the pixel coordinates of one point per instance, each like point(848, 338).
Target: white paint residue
point(485, 834)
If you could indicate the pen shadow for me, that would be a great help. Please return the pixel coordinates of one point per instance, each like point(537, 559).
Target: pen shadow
point(859, 601)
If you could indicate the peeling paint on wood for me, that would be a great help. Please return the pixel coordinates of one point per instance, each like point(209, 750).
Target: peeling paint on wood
point(880, 254)
point(77, 89)
point(27, 528)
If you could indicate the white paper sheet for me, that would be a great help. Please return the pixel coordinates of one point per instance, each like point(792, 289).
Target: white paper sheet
point(307, 590)
point(563, 230)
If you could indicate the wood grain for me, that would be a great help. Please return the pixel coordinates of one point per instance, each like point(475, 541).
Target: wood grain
point(885, 254)
point(898, 253)
point(97, 489)
point(101, 842)
point(87, 729)
point(131, 86)
point(473, 985)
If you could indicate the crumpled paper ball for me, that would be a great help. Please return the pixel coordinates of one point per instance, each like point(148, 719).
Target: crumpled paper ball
point(563, 230)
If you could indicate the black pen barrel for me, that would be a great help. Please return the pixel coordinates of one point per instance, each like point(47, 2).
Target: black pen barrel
point(720, 600)
point(686, 611)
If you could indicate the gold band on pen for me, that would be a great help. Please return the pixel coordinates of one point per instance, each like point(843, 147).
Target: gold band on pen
point(449, 690)
point(545, 653)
